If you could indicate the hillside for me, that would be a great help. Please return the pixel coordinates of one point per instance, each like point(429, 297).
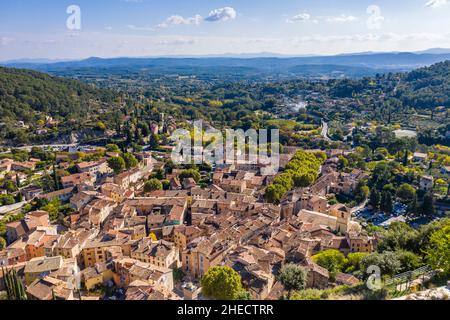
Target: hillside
point(426, 87)
point(29, 96)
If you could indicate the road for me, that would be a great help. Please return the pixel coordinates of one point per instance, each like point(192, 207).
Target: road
point(51, 146)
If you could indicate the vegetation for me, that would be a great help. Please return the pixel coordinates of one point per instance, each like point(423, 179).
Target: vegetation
point(222, 283)
point(152, 185)
point(15, 289)
point(301, 171)
point(292, 277)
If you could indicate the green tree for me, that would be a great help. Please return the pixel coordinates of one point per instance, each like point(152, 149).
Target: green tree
point(406, 192)
point(387, 261)
point(428, 204)
point(408, 260)
point(112, 148)
point(386, 204)
point(100, 126)
point(438, 250)
point(332, 260)
point(361, 192)
point(130, 160)
point(353, 262)
point(154, 141)
point(117, 164)
point(293, 277)
point(2, 243)
point(375, 198)
point(152, 185)
point(191, 173)
point(221, 283)
point(14, 287)
point(304, 180)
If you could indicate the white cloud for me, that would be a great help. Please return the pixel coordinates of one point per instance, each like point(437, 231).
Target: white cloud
point(302, 17)
point(436, 3)
point(137, 28)
point(341, 19)
point(376, 19)
point(222, 14)
point(179, 20)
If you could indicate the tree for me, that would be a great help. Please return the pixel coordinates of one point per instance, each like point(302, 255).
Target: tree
point(353, 262)
point(130, 160)
point(13, 285)
point(112, 148)
point(438, 250)
point(100, 126)
point(361, 192)
point(375, 198)
point(399, 236)
point(221, 283)
point(332, 260)
point(293, 277)
point(190, 173)
point(428, 204)
point(386, 204)
point(55, 177)
point(152, 185)
point(387, 261)
point(406, 192)
point(154, 141)
point(117, 164)
point(2, 243)
point(274, 192)
point(304, 180)
point(408, 260)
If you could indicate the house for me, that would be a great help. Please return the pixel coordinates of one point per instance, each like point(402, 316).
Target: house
point(160, 253)
point(78, 178)
point(317, 276)
point(426, 183)
point(361, 242)
point(41, 267)
point(104, 249)
point(183, 235)
point(127, 270)
point(12, 256)
point(235, 186)
point(97, 275)
point(63, 195)
point(142, 290)
point(189, 183)
point(345, 279)
point(37, 241)
point(98, 210)
point(445, 170)
point(20, 228)
point(6, 165)
point(23, 166)
point(419, 157)
point(31, 192)
point(82, 198)
point(203, 253)
point(94, 167)
point(175, 184)
point(49, 288)
point(113, 191)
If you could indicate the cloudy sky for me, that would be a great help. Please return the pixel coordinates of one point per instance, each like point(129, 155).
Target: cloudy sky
point(74, 29)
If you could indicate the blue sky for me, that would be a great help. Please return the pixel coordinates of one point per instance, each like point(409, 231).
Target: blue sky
point(109, 28)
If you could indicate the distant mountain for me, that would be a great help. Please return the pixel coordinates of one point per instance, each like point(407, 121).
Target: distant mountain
point(252, 65)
